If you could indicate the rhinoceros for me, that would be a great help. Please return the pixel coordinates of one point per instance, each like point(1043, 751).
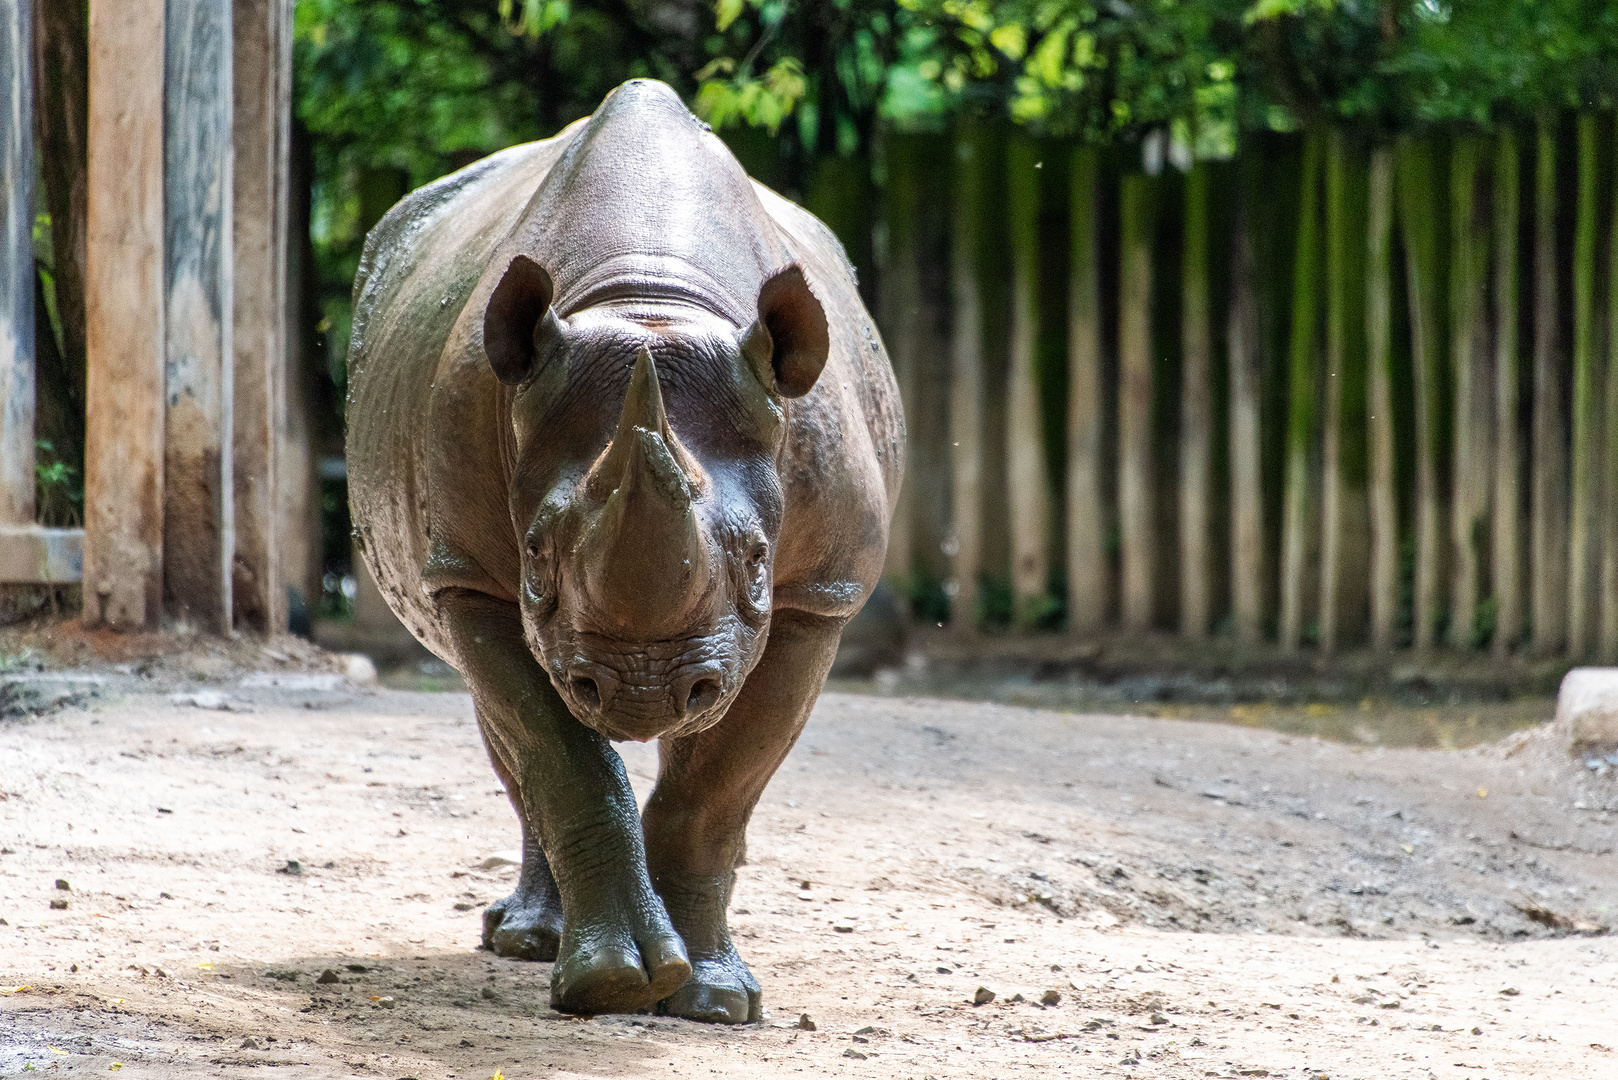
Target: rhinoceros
point(623, 448)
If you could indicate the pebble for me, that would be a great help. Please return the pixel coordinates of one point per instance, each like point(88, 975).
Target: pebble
point(982, 996)
point(501, 858)
point(327, 977)
point(386, 1002)
point(855, 1054)
point(804, 1023)
point(250, 1043)
point(61, 883)
point(1051, 997)
point(293, 867)
point(58, 905)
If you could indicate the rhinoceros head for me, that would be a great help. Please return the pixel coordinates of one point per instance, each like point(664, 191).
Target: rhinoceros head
point(647, 562)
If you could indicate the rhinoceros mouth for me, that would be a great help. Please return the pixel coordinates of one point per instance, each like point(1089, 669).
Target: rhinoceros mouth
point(641, 691)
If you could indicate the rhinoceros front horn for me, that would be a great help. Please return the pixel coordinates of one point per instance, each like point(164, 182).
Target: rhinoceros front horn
point(645, 561)
point(518, 324)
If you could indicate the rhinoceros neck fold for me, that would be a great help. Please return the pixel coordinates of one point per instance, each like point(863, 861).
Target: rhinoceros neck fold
point(647, 198)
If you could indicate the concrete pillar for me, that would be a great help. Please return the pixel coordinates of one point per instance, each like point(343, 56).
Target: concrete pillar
point(16, 264)
point(124, 491)
point(199, 488)
point(261, 77)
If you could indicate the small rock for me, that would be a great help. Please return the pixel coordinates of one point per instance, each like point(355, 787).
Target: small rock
point(858, 1039)
point(358, 969)
point(855, 1054)
point(1391, 1003)
point(61, 883)
point(328, 977)
point(466, 1044)
point(359, 669)
point(945, 971)
point(58, 905)
point(982, 996)
point(386, 1002)
point(1159, 1018)
point(293, 867)
point(281, 975)
point(1509, 991)
point(1051, 997)
point(250, 1043)
point(1477, 1031)
point(490, 994)
point(164, 896)
point(501, 858)
point(161, 973)
point(462, 905)
point(806, 1024)
point(843, 928)
point(207, 699)
point(1016, 997)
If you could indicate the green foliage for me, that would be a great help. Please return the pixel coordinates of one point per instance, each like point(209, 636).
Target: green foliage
point(58, 489)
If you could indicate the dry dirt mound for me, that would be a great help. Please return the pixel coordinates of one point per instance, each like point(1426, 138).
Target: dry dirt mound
point(1201, 900)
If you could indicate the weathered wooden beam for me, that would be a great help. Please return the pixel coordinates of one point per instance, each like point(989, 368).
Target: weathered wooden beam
point(1247, 559)
point(262, 110)
point(1547, 541)
point(36, 555)
point(1028, 484)
point(16, 265)
point(1196, 414)
point(1087, 593)
point(1507, 531)
point(199, 491)
point(967, 388)
point(1379, 401)
point(123, 473)
point(1136, 519)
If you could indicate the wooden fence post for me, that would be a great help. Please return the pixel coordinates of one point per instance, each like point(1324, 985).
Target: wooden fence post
point(199, 493)
point(1379, 401)
point(1136, 517)
point(1581, 517)
point(1469, 265)
point(262, 107)
point(1608, 644)
point(1086, 514)
point(1506, 569)
point(1028, 478)
point(1246, 444)
point(16, 265)
point(123, 471)
point(1303, 364)
point(899, 309)
point(1417, 177)
point(1196, 413)
point(1548, 535)
point(966, 411)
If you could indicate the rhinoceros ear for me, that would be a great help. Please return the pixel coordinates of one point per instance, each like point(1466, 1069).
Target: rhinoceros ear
point(790, 341)
point(519, 323)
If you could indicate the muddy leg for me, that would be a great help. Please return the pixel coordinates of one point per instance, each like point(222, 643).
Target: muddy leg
point(696, 819)
point(618, 950)
point(526, 925)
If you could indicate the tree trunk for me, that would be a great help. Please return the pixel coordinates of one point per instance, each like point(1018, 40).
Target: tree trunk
point(1548, 539)
point(61, 113)
point(1135, 504)
point(1379, 403)
point(1196, 412)
point(966, 377)
point(1027, 478)
point(1301, 377)
point(1246, 438)
point(1580, 577)
point(1418, 173)
point(1331, 486)
point(1086, 515)
point(1469, 263)
point(1507, 543)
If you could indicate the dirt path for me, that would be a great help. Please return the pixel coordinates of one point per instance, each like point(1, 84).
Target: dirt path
point(1206, 900)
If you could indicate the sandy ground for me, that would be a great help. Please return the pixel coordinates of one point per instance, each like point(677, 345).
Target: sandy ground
point(1206, 900)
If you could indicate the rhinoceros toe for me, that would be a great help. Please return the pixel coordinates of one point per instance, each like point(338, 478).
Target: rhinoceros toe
point(721, 991)
point(619, 978)
point(523, 927)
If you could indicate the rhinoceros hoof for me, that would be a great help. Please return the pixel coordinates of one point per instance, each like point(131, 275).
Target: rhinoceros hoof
point(620, 978)
point(522, 928)
point(720, 992)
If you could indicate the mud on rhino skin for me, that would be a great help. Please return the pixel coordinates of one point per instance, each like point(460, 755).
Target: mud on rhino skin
point(623, 447)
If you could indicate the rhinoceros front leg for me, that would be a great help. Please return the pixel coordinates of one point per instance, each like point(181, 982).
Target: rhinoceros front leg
point(696, 819)
point(618, 950)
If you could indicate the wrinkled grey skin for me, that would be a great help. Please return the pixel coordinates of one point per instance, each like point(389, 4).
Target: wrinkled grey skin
point(623, 446)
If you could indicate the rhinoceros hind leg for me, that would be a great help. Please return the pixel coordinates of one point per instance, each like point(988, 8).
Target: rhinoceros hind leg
point(720, 992)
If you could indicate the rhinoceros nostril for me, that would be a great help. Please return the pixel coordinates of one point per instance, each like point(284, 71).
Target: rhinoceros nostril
point(585, 689)
point(702, 695)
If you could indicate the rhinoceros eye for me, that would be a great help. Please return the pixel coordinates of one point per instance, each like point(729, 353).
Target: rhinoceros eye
point(533, 550)
point(756, 555)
